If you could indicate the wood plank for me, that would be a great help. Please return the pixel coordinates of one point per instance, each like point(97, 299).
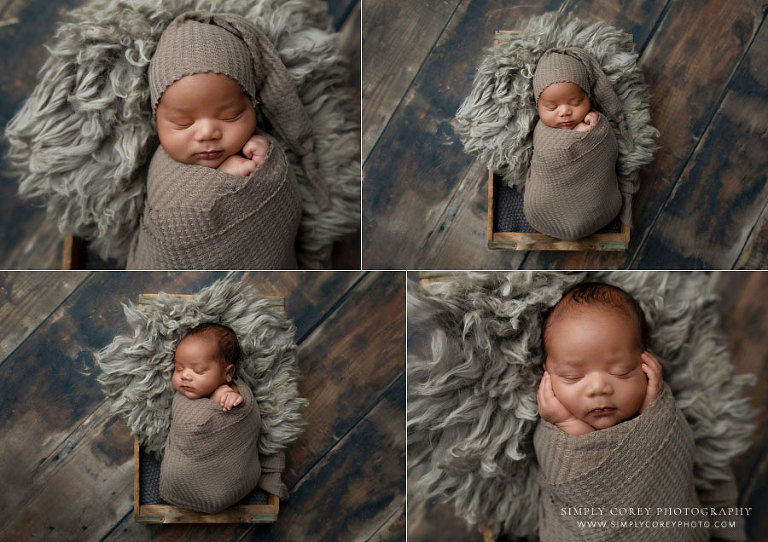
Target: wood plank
point(27, 299)
point(65, 498)
point(688, 79)
point(393, 530)
point(355, 353)
point(409, 187)
point(398, 36)
point(358, 485)
point(709, 216)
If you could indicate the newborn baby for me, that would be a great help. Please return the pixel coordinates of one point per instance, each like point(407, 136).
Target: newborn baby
point(572, 189)
point(211, 458)
point(611, 437)
point(219, 195)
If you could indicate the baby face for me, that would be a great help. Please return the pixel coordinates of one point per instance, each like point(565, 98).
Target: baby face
point(204, 118)
point(563, 105)
point(198, 370)
point(593, 357)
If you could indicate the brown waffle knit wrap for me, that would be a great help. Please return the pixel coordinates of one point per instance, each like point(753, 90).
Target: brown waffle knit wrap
point(571, 190)
point(201, 218)
point(211, 457)
point(645, 464)
point(199, 42)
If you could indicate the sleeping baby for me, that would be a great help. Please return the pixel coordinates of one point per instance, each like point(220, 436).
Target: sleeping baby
point(611, 440)
point(572, 189)
point(211, 459)
point(220, 193)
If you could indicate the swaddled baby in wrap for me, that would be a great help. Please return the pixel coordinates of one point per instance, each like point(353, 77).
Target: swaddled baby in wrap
point(211, 458)
point(572, 189)
point(611, 445)
point(220, 196)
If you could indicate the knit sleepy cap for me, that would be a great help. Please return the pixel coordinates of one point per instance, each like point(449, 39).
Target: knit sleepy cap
point(575, 65)
point(200, 42)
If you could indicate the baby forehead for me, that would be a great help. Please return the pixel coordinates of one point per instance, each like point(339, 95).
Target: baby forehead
point(562, 91)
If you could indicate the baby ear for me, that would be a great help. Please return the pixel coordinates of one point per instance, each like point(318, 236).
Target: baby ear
point(230, 372)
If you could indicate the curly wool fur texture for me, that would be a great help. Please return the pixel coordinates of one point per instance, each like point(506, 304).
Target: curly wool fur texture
point(82, 141)
point(496, 121)
point(472, 396)
point(137, 367)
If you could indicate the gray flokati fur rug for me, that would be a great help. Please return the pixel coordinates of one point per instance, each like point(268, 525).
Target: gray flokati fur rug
point(82, 140)
point(472, 398)
point(137, 367)
point(496, 121)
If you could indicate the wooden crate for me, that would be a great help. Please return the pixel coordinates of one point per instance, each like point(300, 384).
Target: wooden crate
point(498, 240)
point(166, 513)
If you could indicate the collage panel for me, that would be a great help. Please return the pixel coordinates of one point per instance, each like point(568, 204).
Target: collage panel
point(467, 163)
point(107, 433)
point(593, 405)
point(180, 135)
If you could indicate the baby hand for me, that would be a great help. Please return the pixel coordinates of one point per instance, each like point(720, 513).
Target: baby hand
point(588, 123)
point(237, 165)
point(652, 369)
point(256, 149)
point(226, 397)
point(553, 411)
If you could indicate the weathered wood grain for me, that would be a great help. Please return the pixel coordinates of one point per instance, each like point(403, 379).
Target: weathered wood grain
point(397, 37)
point(26, 300)
point(345, 375)
point(78, 495)
point(720, 196)
point(688, 77)
point(363, 476)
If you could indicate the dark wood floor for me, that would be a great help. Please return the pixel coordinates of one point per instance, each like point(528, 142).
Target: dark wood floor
point(66, 465)
point(27, 239)
point(703, 201)
point(745, 321)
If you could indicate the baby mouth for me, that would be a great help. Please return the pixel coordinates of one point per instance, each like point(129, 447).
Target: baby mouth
point(209, 155)
point(567, 124)
point(605, 411)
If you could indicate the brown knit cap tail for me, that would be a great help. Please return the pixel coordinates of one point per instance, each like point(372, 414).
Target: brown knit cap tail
point(274, 89)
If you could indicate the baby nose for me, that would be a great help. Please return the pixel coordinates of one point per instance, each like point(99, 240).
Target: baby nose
point(565, 111)
point(207, 129)
point(597, 384)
